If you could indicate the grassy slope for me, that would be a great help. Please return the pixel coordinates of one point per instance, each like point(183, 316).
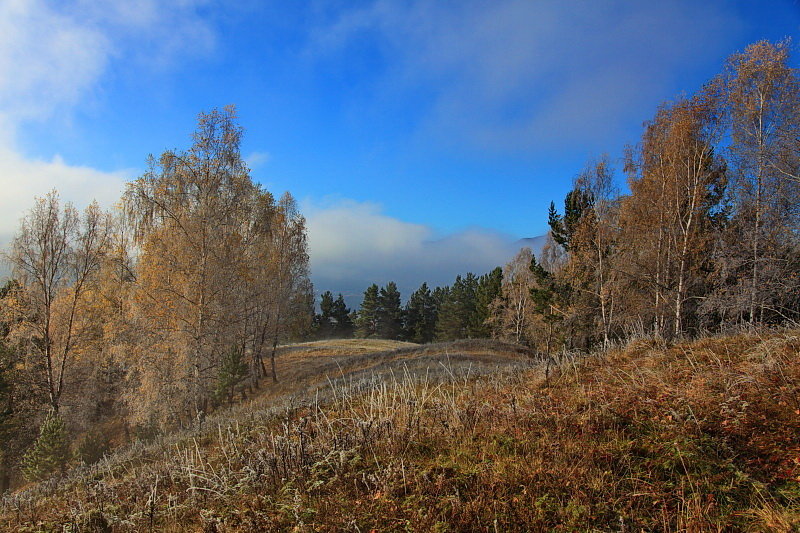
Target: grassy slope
point(303, 367)
point(696, 436)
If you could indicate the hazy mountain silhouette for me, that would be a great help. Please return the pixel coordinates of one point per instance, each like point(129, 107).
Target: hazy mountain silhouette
point(534, 243)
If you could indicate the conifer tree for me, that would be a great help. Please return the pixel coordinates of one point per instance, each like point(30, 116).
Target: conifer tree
point(457, 309)
point(440, 294)
point(546, 296)
point(420, 316)
point(576, 203)
point(448, 325)
point(390, 314)
point(232, 371)
point(590, 311)
point(367, 321)
point(326, 320)
point(50, 452)
point(341, 315)
point(489, 288)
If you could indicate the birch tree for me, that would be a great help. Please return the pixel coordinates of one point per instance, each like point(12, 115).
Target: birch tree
point(55, 256)
point(762, 97)
point(666, 220)
point(513, 310)
point(589, 230)
point(187, 212)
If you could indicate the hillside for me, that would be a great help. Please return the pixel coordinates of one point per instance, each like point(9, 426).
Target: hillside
point(304, 367)
point(474, 436)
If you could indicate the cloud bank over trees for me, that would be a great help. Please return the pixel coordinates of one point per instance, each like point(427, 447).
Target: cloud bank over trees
point(355, 244)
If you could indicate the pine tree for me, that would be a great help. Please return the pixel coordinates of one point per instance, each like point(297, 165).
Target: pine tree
point(590, 313)
point(232, 372)
point(447, 322)
point(457, 309)
point(489, 288)
point(326, 320)
point(420, 316)
point(545, 295)
point(367, 322)
point(390, 315)
point(50, 452)
point(576, 203)
point(440, 294)
point(343, 327)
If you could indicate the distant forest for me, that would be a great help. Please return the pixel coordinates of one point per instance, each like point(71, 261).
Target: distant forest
point(123, 324)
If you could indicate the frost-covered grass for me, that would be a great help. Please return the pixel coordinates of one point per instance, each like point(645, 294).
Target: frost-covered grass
point(697, 436)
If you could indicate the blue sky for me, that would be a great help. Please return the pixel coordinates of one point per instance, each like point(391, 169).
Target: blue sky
point(422, 139)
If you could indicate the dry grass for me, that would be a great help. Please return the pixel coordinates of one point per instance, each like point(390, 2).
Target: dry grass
point(700, 436)
point(304, 367)
point(347, 346)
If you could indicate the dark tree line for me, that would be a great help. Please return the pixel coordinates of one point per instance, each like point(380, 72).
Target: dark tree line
point(457, 311)
point(335, 320)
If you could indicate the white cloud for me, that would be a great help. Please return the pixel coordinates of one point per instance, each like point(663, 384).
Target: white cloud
point(54, 57)
point(46, 59)
point(23, 179)
point(354, 244)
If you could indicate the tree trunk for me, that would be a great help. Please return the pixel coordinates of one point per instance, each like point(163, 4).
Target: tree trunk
point(274, 349)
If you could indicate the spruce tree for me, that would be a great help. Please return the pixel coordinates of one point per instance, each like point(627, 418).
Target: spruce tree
point(232, 372)
point(367, 322)
point(343, 324)
point(390, 315)
point(489, 288)
point(420, 316)
point(50, 452)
